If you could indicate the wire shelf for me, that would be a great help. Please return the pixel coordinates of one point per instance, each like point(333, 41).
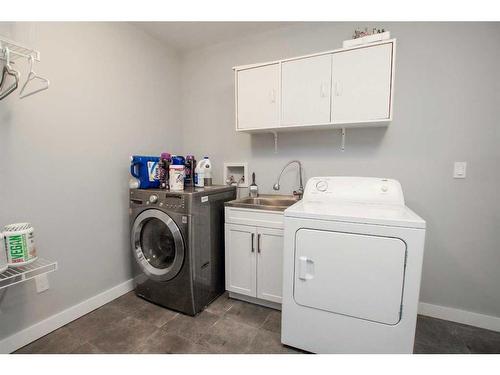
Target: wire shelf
point(16, 275)
point(17, 51)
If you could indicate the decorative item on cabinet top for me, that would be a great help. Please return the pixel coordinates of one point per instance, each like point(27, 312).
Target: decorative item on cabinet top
point(365, 36)
point(336, 89)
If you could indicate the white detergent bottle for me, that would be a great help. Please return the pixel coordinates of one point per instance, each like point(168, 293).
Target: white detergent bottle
point(199, 174)
point(208, 171)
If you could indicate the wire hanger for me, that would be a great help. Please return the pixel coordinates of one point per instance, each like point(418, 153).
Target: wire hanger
point(31, 77)
point(9, 71)
point(1, 77)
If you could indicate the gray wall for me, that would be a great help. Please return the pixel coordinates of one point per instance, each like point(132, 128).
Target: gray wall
point(64, 154)
point(445, 109)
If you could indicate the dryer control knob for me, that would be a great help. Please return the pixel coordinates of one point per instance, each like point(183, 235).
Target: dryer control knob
point(322, 186)
point(153, 198)
point(384, 188)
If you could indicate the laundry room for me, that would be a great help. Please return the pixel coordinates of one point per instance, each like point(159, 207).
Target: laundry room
point(228, 186)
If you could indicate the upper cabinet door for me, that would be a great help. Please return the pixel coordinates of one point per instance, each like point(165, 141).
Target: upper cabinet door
point(306, 88)
point(257, 97)
point(362, 84)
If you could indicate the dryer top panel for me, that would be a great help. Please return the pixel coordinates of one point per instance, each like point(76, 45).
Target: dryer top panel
point(369, 190)
point(361, 213)
point(364, 200)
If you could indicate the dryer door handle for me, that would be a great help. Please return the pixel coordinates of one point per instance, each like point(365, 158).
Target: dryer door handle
point(306, 268)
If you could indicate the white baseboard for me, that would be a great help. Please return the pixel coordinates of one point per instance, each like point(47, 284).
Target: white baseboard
point(34, 332)
point(460, 316)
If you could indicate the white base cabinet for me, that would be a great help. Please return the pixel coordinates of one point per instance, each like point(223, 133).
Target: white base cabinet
point(254, 254)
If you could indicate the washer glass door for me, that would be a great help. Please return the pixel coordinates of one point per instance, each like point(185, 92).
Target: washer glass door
point(157, 245)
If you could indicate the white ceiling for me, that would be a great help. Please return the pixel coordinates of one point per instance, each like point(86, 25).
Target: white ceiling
point(185, 36)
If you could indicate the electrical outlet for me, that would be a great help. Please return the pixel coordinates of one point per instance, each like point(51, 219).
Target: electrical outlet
point(460, 169)
point(42, 283)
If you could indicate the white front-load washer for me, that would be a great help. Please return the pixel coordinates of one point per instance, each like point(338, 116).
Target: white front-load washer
point(351, 269)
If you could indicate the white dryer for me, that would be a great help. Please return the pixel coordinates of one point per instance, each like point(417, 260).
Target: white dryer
point(352, 266)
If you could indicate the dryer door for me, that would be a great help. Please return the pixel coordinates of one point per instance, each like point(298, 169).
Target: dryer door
point(157, 245)
point(350, 274)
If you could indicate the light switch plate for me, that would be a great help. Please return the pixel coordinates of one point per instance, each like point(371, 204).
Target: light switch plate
point(42, 283)
point(460, 169)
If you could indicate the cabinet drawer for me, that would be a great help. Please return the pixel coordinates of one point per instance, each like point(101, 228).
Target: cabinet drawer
point(258, 218)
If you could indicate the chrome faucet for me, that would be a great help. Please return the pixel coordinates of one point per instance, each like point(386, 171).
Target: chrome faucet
point(300, 191)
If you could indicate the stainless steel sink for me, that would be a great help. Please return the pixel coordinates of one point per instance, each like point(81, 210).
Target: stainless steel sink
point(265, 202)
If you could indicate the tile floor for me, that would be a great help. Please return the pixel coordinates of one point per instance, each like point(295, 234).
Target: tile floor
point(132, 325)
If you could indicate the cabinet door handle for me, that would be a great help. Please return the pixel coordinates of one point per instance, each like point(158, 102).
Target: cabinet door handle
point(338, 88)
point(272, 96)
point(258, 243)
point(253, 250)
point(323, 90)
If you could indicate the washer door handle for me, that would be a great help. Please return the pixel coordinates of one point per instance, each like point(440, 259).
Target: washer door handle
point(306, 268)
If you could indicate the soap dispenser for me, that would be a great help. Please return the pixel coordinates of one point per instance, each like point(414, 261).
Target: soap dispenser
point(253, 189)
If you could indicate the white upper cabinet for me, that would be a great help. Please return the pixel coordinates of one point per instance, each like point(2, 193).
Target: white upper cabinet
point(362, 84)
point(306, 86)
point(257, 97)
point(348, 87)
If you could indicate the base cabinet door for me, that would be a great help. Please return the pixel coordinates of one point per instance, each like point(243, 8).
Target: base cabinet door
point(241, 259)
point(269, 264)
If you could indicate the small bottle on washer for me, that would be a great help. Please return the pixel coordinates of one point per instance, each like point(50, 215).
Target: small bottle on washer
point(163, 170)
point(190, 170)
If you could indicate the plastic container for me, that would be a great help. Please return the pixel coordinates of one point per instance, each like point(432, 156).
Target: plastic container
point(145, 169)
point(203, 173)
point(178, 160)
point(164, 169)
point(20, 244)
point(133, 183)
point(176, 181)
point(208, 171)
point(190, 170)
point(199, 174)
point(3, 255)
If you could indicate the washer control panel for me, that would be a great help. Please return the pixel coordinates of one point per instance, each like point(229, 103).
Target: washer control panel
point(173, 202)
point(160, 199)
